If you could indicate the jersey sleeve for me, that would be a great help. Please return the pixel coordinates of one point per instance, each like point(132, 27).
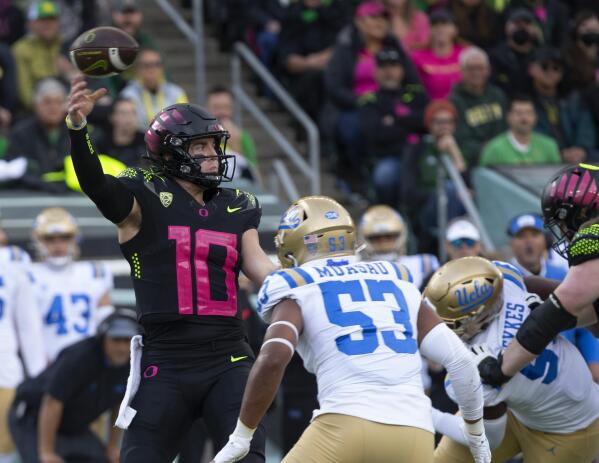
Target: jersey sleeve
point(584, 245)
point(491, 395)
point(277, 287)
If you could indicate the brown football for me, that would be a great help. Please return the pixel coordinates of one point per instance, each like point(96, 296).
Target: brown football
point(103, 51)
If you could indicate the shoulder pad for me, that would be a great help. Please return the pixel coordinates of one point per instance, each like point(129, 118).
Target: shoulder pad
point(135, 173)
point(511, 273)
point(584, 245)
point(242, 200)
point(402, 272)
point(280, 285)
point(98, 270)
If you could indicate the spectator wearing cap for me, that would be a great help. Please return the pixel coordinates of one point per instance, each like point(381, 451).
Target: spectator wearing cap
point(350, 75)
point(481, 105)
point(520, 145)
point(51, 415)
point(43, 139)
point(565, 119)
point(462, 239)
point(37, 55)
point(127, 15)
point(387, 119)
point(552, 16)
point(529, 247)
point(306, 43)
point(509, 59)
point(438, 64)
point(419, 170)
point(150, 90)
point(410, 25)
point(477, 23)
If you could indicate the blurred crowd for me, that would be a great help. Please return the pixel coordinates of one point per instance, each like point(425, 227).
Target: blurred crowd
point(393, 83)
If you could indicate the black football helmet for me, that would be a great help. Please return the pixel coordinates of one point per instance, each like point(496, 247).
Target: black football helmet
point(570, 199)
point(168, 138)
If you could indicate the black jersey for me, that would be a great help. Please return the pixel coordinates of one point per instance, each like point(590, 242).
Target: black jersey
point(185, 260)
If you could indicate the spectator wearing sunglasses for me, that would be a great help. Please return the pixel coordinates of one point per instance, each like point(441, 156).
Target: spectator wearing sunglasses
point(462, 239)
point(581, 52)
point(565, 119)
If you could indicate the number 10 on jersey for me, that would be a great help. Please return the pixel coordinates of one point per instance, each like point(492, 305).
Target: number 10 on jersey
point(331, 290)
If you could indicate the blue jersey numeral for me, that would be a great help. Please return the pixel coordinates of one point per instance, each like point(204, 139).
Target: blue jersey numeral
point(545, 366)
point(56, 314)
point(331, 290)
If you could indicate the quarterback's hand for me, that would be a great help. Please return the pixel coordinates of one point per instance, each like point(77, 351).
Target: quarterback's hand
point(489, 367)
point(235, 449)
point(82, 100)
point(479, 446)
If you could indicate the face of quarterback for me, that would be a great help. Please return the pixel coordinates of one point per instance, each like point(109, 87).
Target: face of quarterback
point(528, 246)
point(205, 147)
point(117, 350)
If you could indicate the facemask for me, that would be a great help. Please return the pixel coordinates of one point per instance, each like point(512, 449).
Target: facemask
point(521, 36)
point(59, 261)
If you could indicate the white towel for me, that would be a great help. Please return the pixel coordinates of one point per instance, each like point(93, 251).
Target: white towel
point(126, 413)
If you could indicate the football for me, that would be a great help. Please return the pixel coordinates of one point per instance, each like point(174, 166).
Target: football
point(103, 51)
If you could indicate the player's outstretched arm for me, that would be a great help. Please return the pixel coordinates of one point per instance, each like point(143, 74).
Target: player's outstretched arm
point(114, 201)
point(439, 344)
point(256, 264)
point(264, 380)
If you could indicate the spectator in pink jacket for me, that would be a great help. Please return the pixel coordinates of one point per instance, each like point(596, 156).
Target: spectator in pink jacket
point(409, 24)
point(438, 65)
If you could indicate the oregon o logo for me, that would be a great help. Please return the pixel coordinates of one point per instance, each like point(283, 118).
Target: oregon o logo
point(89, 37)
point(203, 212)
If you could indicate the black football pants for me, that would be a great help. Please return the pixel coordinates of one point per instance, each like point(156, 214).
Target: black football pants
point(177, 388)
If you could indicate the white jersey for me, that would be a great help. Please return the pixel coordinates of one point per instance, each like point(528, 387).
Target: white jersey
point(20, 329)
point(68, 300)
point(556, 392)
point(420, 266)
point(359, 337)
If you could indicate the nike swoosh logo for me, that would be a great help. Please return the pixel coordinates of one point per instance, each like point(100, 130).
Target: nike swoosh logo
point(237, 359)
point(102, 64)
point(232, 209)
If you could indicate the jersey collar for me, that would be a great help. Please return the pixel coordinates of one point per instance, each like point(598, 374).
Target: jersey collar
point(330, 261)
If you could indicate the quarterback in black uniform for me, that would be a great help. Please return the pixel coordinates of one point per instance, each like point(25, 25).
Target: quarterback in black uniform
point(186, 240)
point(570, 206)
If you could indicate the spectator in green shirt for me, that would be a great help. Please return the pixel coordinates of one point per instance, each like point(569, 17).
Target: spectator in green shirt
point(37, 55)
point(520, 145)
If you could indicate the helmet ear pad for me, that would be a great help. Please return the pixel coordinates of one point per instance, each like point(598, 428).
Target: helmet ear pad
point(168, 139)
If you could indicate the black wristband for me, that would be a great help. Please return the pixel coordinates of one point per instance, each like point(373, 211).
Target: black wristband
point(490, 371)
